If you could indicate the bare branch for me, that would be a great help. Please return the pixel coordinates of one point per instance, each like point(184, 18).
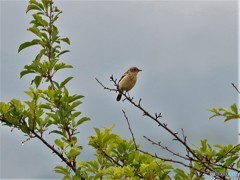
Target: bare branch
point(190, 156)
point(110, 89)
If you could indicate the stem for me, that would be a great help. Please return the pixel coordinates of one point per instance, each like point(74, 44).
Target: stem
point(50, 30)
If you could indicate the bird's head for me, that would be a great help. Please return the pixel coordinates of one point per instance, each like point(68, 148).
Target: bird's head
point(134, 70)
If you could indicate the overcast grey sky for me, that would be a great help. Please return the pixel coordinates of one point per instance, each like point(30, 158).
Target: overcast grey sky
point(188, 52)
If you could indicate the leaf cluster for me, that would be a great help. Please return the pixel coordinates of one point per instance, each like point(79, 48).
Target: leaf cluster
point(117, 158)
point(228, 114)
point(217, 158)
point(47, 61)
point(53, 109)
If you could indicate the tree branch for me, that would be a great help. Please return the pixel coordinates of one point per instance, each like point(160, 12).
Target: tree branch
point(191, 156)
point(36, 135)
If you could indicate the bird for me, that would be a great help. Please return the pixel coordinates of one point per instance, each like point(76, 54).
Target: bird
point(127, 81)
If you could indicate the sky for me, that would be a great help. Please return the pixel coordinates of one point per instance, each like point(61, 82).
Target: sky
point(188, 51)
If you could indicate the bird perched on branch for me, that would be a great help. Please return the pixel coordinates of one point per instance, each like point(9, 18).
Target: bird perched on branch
point(127, 81)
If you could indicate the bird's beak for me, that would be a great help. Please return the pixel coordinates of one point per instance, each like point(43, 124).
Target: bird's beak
point(139, 70)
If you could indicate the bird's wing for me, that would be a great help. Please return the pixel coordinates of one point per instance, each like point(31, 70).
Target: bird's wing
point(122, 76)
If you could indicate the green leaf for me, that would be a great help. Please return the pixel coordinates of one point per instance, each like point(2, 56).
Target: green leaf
point(204, 145)
point(56, 17)
point(230, 161)
point(214, 110)
point(76, 114)
point(66, 40)
point(61, 170)
point(33, 7)
point(46, 3)
point(73, 141)
point(34, 2)
point(52, 63)
point(56, 84)
point(56, 9)
point(234, 108)
point(73, 153)
point(232, 117)
point(98, 132)
point(75, 97)
point(53, 116)
point(65, 82)
point(35, 31)
point(238, 164)
point(17, 104)
point(37, 80)
point(82, 120)
point(39, 55)
point(180, 174)
point(24, 129)
point(4, 108)
point(61, 66)
point(74, 104)
point(55, 34)
point(28, 44)
point(59, 143)
point(56, 132)
point(24, 72)
point(40, 20)
point(45, 106)
point(213, 116)
point(63, 52)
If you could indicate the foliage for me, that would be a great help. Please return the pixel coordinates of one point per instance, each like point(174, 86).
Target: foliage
point(231, 114)
point(53, 110)
point(117, 158)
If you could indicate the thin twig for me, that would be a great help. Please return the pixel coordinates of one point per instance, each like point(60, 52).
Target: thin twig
point(236, 88)
point(165, 148)
point(129, 127)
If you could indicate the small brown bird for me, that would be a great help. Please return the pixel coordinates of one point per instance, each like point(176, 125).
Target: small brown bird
point(127, 81)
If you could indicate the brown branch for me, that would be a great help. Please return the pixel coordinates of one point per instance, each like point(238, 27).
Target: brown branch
point(104, 87)
point(145, 113)
point(190, 153)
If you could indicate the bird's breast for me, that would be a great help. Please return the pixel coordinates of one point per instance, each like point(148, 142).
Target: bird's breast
point(127, 83)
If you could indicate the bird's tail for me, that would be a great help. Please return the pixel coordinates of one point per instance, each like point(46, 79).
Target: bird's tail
point(119, 97)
